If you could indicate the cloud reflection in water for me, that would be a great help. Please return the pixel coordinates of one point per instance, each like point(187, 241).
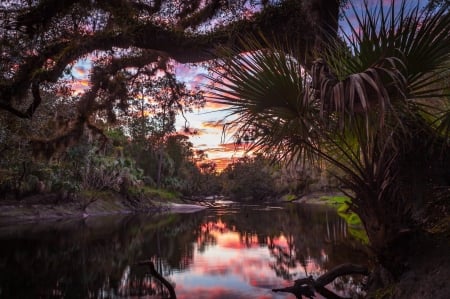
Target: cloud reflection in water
point(238, 265)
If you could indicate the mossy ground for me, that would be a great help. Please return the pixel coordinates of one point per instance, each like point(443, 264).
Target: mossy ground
point(289, 197)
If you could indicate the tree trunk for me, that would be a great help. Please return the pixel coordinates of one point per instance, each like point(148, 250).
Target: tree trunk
point(158, 175)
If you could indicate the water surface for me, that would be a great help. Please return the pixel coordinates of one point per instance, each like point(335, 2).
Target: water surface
point(229, 252)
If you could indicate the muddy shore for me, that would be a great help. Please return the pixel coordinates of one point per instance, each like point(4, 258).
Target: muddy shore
point(50, 207)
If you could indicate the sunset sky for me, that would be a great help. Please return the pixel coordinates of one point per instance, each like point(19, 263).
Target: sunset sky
point(208, 121)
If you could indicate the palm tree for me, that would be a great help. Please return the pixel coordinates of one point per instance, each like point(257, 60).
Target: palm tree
point(375, 105)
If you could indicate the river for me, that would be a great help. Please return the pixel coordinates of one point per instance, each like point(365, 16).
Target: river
point(231, 251)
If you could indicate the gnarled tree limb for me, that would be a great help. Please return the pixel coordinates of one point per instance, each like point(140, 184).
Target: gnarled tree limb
point(308, 286)
point(289, 17)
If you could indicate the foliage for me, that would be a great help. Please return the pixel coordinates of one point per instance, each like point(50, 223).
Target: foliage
point(22, 175)
point(249, 178)
point(108, 173)
point(126, 51)
point(131, 47)
point(370, 105)
point(152, 193)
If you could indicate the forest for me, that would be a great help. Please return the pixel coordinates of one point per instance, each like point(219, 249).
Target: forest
point(329, 95)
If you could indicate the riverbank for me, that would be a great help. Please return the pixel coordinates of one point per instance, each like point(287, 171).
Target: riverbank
point(317, 197)
point(54, 206)
point(426, 259)
point(51, 207)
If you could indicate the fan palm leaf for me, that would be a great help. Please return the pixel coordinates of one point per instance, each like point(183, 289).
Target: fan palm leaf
point(266, 91)
point(369, 106)
point(391, 56)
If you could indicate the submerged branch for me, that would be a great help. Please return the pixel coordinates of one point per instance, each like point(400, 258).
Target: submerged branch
point(307, 286)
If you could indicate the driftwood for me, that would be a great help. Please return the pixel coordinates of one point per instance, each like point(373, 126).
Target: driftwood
point(159, 277)
point(308, 286)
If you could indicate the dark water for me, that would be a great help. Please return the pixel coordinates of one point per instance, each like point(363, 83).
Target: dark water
point(231, 252)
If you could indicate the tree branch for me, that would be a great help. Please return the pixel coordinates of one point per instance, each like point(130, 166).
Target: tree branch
point(307, 286)
point(289, 18)
point(158, 276)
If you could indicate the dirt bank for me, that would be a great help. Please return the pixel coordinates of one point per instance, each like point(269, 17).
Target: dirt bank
point(426, 274)
point(426, 261)
point(51, 206)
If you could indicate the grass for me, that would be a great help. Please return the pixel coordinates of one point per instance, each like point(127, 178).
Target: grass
point(154, 193)
point(337, 200)
point(288, 197)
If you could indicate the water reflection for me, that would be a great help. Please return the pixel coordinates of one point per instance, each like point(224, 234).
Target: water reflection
point(237, 252)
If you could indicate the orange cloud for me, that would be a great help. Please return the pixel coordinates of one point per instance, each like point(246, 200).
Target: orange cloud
point(213, 124)
point(234, 147)
point(79, 86)
point(281, 241)
point(214, 106)
point(222, 163)
point(197, 81)
point(229, 146)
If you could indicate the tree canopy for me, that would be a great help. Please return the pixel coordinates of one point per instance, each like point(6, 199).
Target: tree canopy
point(41, 40)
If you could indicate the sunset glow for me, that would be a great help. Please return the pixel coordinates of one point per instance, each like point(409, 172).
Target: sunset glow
point(233, 265)
point(208, 122)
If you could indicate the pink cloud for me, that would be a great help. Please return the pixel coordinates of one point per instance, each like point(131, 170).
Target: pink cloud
point(215, 106)
point(213, 292)
point(80, 85)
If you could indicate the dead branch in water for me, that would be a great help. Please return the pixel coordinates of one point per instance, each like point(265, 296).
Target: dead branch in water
point(308, 286)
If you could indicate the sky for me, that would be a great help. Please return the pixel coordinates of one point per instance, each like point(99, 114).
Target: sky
point(207, 121)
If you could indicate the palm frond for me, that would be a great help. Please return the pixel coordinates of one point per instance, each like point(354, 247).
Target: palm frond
point(394, 55)
point(266, 89)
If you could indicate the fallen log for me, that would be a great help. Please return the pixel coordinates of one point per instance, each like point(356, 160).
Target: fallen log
point(306, 287)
